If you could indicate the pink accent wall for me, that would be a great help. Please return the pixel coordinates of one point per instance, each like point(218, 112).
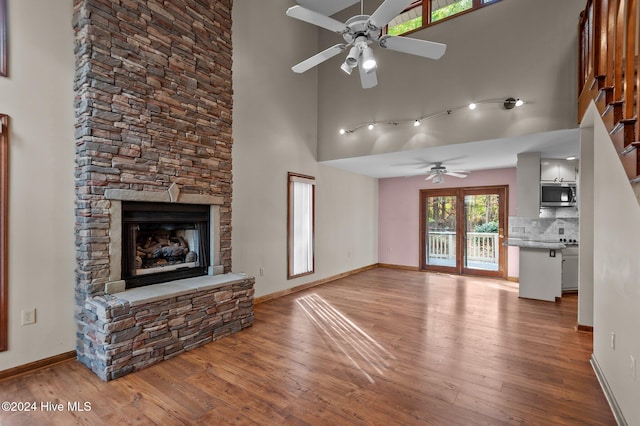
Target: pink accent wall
point(399, 213)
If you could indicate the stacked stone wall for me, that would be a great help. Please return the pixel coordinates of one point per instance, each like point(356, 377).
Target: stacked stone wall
point(153, 108)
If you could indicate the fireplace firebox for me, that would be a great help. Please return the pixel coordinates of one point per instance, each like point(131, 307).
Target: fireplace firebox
point(164, 242)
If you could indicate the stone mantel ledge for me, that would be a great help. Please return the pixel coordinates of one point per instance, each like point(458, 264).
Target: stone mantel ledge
point(153, 293)
point(171, 195)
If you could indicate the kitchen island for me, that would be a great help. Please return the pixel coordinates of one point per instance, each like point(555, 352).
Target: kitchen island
point(540, 269)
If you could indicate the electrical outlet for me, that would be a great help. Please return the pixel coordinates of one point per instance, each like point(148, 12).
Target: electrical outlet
point(261, 271)
point(613, 340)
point(632, 365)
point(28, 316)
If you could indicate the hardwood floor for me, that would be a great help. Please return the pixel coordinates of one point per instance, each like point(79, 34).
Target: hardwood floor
point(383, 347)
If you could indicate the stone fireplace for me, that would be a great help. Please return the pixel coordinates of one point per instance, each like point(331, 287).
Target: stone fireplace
point(153, 137)
point(163, 242)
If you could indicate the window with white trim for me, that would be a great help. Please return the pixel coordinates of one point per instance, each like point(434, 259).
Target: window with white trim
point(421, 14)
point(300, 220)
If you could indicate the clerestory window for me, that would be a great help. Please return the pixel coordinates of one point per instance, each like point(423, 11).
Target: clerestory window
point(421, 14)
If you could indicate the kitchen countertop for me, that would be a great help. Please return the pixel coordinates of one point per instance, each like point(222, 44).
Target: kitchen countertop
point(550, 245)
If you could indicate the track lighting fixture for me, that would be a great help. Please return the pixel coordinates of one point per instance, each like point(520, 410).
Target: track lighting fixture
point(511, 103)
point(508, 103)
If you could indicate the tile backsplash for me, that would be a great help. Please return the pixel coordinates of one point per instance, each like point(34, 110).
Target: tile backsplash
point(543, 229)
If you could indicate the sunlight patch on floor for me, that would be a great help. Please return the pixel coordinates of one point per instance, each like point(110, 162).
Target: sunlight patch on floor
point(363, 351)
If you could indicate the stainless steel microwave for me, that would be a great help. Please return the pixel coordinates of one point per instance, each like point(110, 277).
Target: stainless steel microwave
point(558, 194)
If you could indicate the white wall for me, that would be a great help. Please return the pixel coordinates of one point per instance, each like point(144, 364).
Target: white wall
point(519, 48)
point(616, 272)
point(38, 97)
point(275, 131)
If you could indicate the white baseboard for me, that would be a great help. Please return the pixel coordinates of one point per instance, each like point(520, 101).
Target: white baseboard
point(611, 399)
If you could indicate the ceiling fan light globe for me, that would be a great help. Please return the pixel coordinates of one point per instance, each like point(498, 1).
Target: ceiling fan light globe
point(369, 65)
point(352, 57)
point(368, 61)
point(346, 67)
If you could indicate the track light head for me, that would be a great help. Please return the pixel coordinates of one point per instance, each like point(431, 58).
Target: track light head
point(511, 103)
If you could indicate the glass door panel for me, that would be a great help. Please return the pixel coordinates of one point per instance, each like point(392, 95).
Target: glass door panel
point(482, 224)
point(441, 236)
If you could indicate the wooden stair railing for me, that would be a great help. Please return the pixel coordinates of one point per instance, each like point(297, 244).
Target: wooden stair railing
point(608, 73)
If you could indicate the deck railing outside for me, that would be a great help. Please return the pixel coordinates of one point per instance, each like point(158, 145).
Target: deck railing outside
point(481, 246)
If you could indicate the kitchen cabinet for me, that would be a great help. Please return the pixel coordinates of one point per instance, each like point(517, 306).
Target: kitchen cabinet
point(558, 170)
point(570, 268)
point(528, 184)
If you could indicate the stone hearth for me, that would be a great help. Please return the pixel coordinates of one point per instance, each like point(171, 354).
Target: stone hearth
point(131, 330)
point(153, 123)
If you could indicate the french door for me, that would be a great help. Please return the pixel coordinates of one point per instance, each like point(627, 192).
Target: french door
point(462, 230)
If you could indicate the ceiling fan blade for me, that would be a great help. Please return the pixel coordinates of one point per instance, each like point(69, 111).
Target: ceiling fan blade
point(388, 10)
point(368, 79)
point(318, 58)
point(413, 46)
point(325, 7)
point(315, 18)
point(430, 176)
point(456, 174)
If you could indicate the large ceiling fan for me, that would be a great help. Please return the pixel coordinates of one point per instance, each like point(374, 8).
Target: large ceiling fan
point(359, 32)
point(437, 172)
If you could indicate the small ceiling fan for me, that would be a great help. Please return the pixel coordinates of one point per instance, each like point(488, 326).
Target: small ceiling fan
point(359, 32)
point(437, 172)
